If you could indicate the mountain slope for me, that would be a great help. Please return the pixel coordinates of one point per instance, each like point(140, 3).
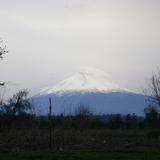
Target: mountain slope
point(92, 88)
point(86, 80)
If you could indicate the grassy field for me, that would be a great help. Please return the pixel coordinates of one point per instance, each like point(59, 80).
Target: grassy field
point(72, 144)
point(83, 154)
point(71, 138)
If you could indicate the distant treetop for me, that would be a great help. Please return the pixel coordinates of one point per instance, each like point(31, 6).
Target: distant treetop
point(2, 49)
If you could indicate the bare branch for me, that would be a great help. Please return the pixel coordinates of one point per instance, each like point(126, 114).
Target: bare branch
point(2, 49)
point(155, 87)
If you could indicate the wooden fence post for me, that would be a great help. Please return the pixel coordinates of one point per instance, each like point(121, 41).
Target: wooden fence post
point(50, 123)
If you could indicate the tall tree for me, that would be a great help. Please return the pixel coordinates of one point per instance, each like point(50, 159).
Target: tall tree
point(151, 116)
point(18, 104)
point(155, 88)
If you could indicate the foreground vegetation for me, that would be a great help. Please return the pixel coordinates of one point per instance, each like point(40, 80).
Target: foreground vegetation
point(81, 154)
point(35, 139)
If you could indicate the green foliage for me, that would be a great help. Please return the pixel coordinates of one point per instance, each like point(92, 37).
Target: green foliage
point(81, 154)
point(15, 111)
point(17, 105)
point(152, 117)
point(153, 133)
point(115, 121)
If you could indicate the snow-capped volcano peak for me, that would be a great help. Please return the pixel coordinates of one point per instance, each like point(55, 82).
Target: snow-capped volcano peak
point(86, 80)
point(92, 88)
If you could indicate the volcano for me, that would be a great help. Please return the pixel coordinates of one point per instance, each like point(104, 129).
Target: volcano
point(91, 88)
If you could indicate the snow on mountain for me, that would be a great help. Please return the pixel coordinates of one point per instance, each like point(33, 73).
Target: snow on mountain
point(94, 89)
point(86, 80)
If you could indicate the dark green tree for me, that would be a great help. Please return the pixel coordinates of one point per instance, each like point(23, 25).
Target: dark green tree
point(17, 107)
point(17, 104)
point(128, 121)
point(151, 116)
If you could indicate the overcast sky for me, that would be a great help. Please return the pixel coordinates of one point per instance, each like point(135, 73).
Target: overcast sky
point(48, 40)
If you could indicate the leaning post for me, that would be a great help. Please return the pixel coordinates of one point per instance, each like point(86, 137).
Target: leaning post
point(50, 123)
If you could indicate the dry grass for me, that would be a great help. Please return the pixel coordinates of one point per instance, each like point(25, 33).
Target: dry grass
point(36, 138)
